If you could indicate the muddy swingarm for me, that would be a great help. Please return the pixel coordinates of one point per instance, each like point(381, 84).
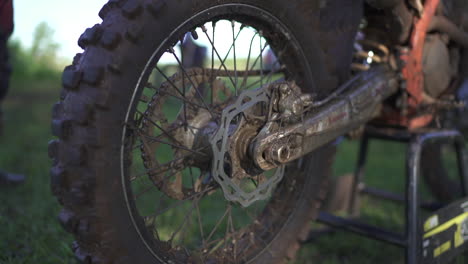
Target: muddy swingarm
point(351, 106)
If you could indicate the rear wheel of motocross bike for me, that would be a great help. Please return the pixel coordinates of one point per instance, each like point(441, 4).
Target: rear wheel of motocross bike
point(133, 162)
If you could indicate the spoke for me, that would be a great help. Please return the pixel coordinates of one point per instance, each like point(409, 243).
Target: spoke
point(229, 227)
point(257, 82)
point(252, 239)
point(255, 183)
point(261, 62)
point(159, 137)
point(227, 54)
point(183, 99)
point(169, 80)
point(191, 81)
point(252, 218)
point(144, 142)
point(231, 47)
point(244, 81)
point(200, 225)
point(217, 54)
point(145, 190)
point(154, 139)
point(270, 75)
point(261, 71)
point(259, 57)
point(150, 223)
point(218, 242)
point(162, 181)
point(227, 236)
point(162, 203)
point(218, 223)
point(233, 231)
point(235, 57)
point(183, 225)
point(184, 91)
point(212, 63)
point(224, 60)
point(178, 203)
point(167, 167)
point(159, 127)
point(191, 177)
point(170, 163)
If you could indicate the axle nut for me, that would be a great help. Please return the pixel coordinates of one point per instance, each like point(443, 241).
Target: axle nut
point(280, 154)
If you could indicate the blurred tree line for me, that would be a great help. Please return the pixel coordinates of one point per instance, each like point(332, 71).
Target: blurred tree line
point(40, 60)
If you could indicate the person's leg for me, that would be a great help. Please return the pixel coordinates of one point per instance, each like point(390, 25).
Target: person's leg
point(5, 72)
point(6, 178)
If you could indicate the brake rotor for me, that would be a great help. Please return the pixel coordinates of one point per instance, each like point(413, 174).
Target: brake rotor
point(233, 168)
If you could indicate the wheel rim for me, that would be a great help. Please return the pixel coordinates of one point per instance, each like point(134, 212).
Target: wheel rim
point(232, 232)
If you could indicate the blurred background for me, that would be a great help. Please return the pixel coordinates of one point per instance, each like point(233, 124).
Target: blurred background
point(66, 19)
point(43, 43)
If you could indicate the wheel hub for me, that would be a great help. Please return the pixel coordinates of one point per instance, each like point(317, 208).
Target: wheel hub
point(233, 168)
point(188, 133)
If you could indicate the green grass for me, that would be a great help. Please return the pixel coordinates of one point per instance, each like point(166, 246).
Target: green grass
point(29, 230)
point(385, 170)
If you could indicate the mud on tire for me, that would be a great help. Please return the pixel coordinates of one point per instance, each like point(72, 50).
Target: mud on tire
point(96, 95)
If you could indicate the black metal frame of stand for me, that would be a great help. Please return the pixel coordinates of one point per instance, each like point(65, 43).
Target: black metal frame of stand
point(411, 240)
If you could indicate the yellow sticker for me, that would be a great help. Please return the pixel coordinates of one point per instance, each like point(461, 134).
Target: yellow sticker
point(440, 250)
point(454, 221)
point(431, 223)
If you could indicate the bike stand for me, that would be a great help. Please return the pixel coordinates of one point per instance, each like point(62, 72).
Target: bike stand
point(411, 240)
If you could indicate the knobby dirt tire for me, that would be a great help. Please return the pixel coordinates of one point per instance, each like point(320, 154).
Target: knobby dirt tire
point(96, 93)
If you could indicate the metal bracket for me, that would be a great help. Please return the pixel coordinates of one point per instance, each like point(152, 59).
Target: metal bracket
point(411, 240)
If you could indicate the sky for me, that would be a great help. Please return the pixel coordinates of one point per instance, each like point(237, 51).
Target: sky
point(69, 19)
